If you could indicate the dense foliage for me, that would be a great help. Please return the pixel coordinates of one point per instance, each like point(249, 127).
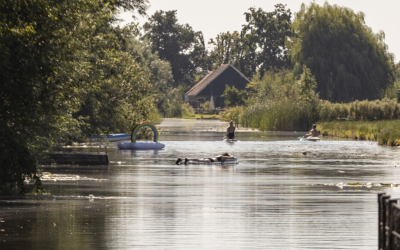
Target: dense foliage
point(385, 109)
point(259, 46)
point(233, 96)
point(279, 102)
point(64, 75)
point(348, 60)
point(176, 43)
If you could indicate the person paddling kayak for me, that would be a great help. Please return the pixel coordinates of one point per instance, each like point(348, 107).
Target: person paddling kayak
point(230, 131)
point(313, 132)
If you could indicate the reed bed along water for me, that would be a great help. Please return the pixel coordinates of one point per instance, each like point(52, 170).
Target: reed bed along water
point(283, 115)
point(370, 120)
point(385, 109)
point(384, 132)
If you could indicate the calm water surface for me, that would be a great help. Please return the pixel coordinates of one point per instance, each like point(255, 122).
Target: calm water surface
point(284, 194)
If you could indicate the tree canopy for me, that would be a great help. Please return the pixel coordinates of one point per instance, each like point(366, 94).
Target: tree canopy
point(347, 59)
point(64, 75)
point(268, 31)
point(176, 43)
point(259, 46)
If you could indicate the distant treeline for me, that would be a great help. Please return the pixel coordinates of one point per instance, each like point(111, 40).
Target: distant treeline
point(349, 62)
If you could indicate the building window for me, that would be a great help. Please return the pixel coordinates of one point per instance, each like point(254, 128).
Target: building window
point(200, 99)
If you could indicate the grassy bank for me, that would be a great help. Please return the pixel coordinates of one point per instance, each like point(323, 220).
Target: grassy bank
point(201, 116)
point(287, 114)
point(384, 132)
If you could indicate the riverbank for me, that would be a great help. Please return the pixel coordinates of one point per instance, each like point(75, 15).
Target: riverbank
point(384, 132)
point(203, 116)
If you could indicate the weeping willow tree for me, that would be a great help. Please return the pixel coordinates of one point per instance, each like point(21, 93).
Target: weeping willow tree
point(347, 59)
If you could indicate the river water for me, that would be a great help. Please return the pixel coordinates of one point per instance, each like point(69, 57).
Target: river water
point(283, 194)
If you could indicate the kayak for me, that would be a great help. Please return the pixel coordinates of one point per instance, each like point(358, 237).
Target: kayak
point(229, 140)
point(111, 138)
point(311, 139)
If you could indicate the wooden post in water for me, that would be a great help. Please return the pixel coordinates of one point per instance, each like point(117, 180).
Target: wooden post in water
point(382, 220)
point(389, 223)
point(395, 244)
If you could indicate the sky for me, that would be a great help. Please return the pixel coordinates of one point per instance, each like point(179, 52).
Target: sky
point(215, 16)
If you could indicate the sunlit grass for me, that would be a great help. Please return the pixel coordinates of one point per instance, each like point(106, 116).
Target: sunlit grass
point(384, 132)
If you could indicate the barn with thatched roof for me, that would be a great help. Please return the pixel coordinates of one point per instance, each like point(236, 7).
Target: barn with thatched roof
point(213, 85)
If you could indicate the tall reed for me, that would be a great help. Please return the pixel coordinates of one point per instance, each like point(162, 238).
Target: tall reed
point(289, 114)
point(385, 132)
point(385, 109)
point(278, 115)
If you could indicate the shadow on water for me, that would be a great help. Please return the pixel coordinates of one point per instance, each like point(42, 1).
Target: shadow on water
point(283, 194)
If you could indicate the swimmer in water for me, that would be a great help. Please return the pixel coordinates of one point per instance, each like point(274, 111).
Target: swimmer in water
point(220, 158)
point(230, 131)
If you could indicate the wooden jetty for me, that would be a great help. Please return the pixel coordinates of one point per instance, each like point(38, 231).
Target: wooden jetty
point(76, 158)
point(388, 223)
point(80, 158)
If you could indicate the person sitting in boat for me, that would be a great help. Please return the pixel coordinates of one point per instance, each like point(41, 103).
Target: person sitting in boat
point(313, 132)
point(220, 158)
point(230, 131)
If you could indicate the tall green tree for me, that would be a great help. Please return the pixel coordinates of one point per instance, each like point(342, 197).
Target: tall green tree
point(54, 55)
point(308, 85)
point(393, 91)
point(268, 32)
point(347, 59)
point(274, 86)
point(234, 48)
point(259, 46)
point(159, 72)
point(176, 43)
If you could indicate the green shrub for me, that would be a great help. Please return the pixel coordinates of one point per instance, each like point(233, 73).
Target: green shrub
point(187, 110)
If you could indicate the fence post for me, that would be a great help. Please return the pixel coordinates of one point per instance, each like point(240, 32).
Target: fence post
point(389, 223)
point(382, 221)
point(395, 244)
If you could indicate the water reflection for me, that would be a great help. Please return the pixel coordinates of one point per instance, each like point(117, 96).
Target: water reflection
point(284, 194)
